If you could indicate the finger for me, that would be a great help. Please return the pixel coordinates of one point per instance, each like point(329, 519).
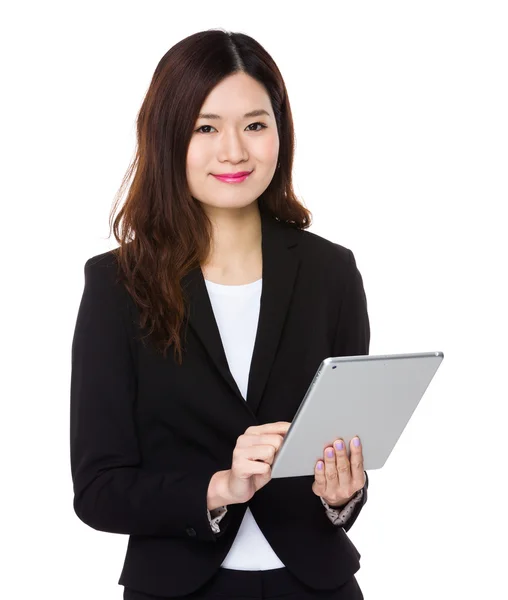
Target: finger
point(280, 427)
point(319, 485)
point(331, 475)
point(357, 470)
point(343, 466)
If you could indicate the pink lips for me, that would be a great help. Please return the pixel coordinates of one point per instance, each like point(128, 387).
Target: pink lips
point(233, 177)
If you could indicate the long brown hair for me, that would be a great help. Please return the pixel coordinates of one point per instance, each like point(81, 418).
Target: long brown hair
point(162, 230)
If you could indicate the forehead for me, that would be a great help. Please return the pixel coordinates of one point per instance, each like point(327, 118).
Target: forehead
point(236, 95)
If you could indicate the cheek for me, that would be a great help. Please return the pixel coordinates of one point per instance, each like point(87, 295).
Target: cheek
point(194, 157)
point(270, 149)
point(196, 167)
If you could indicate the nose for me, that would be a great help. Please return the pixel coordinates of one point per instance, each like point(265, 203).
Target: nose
point(232, 148)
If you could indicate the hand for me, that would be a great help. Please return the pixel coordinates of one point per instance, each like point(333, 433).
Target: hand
point(339, 480)
point(253, 456)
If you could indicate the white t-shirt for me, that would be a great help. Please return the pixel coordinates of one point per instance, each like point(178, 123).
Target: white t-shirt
point(236, 310)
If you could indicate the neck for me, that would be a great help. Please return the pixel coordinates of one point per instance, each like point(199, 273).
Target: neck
point(236, 243)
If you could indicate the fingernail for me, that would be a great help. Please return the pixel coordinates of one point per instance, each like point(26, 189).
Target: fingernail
point(329, 453)
point(356, 442)
point(339, 445)
point(320, 465)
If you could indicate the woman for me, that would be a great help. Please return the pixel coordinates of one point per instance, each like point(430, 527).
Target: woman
point(175, 450)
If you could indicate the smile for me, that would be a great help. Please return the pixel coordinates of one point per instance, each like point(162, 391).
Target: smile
point(229, 179)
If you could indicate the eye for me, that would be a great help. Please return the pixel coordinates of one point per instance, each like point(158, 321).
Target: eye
point(202, 127)
point(262, 125)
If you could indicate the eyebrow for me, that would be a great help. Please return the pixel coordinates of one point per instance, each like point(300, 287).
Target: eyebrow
point(253, 113)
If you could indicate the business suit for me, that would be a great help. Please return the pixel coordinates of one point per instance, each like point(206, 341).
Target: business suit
point(147, 434)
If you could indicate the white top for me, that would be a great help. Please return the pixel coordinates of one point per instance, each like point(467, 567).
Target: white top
point(236, 310)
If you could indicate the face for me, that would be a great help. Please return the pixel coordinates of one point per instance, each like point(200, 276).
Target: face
point(233, 143)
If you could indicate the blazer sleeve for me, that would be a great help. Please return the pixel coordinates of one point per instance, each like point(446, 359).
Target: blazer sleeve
point(352, 338)
point(113, 492)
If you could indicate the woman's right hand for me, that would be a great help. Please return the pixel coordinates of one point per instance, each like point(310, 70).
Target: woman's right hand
point(253, 456)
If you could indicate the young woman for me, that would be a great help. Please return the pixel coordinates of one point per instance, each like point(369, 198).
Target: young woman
point(174, 449)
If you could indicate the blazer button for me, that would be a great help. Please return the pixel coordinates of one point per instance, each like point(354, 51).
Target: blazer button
point(191, 532)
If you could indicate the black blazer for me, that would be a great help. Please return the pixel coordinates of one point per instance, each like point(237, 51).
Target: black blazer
point(146, 435)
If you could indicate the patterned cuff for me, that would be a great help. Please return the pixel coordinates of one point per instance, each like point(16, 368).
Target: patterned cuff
point(215, 516)
point(338, 516)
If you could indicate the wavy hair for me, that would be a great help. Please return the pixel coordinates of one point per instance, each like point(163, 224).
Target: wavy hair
point(162, 231)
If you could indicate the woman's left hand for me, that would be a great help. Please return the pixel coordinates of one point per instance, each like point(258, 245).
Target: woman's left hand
point(340, 479)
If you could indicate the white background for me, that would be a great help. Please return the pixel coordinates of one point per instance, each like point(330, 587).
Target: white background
point(401, 116)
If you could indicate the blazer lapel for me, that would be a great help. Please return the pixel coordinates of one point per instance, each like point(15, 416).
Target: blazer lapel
point(280, 266)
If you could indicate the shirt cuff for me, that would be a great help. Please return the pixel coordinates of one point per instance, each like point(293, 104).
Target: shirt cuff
point(215, 516)
point(338, 516)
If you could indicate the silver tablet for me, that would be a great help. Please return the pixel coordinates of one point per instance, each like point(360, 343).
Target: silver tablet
point(370, 396)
